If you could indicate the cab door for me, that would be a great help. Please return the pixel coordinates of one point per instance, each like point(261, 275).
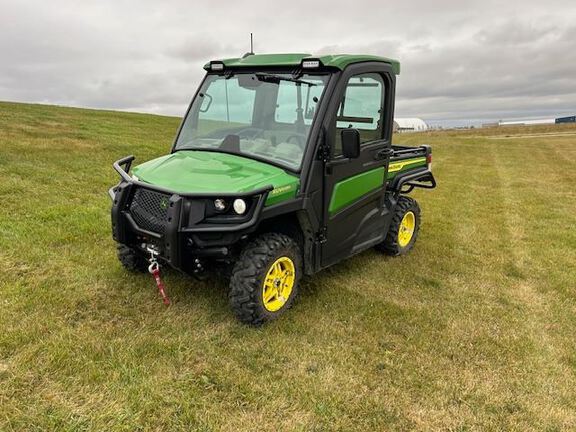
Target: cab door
point(355, 215)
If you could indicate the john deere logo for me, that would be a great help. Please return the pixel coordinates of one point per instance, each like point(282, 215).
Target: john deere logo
point(164, 203)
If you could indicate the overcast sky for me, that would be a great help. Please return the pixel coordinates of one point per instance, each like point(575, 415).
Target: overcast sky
point(461, 60)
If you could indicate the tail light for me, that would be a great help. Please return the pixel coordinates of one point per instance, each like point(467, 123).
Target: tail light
point(429, 161)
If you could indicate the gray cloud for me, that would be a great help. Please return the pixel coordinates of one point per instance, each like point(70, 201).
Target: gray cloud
point(461, 60)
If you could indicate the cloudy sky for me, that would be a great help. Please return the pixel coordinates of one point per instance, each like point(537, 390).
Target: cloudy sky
point(461, 60)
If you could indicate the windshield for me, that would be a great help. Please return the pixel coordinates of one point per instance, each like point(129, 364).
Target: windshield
point(259, 115)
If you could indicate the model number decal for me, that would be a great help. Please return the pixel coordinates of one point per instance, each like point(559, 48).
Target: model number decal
point(281, 189)
point(397, 166)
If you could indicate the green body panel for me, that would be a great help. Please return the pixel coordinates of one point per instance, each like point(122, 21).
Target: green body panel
point(351, 189)
point(338, 61)
point(211, 172)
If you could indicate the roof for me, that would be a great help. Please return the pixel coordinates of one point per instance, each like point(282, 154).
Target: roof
point(338, 61)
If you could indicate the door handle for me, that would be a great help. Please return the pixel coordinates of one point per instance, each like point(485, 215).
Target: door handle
point(383, 154)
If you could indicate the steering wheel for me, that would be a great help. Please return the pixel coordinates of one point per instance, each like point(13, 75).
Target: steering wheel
point(299, 138)
point(250, 133)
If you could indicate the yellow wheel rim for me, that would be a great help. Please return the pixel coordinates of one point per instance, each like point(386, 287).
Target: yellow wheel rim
point(406, 231)
point(278, 284)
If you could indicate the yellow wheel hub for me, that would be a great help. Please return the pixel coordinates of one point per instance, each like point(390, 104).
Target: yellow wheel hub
point(406, 231)
point(278, 284)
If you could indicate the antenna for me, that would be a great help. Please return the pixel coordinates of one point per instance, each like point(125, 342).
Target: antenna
point(251, 47)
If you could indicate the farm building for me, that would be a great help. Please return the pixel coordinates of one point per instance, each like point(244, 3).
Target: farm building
point(557, 120)
point(409, 125)
point(571, 119)
point(527, 122)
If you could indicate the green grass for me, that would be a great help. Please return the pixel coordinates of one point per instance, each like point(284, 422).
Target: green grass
point(474, 330)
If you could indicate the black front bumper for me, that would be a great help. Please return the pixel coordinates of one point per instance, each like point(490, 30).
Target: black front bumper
point(185, 232)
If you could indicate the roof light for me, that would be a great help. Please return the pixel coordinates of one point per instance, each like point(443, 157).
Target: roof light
point(311, 64)
point(216, 66)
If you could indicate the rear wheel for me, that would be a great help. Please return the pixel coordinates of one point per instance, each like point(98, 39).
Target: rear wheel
point(131, 259)
point(403, 229)
point(265, 278)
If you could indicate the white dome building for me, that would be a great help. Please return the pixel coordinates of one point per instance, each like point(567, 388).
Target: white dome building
point(409, 125)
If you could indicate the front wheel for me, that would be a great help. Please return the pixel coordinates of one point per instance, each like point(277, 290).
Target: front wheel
point(265, 278)
point(131, 260)
point(403, 229)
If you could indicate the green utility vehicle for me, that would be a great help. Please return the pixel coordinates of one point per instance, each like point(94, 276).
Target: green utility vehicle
point(282, 166)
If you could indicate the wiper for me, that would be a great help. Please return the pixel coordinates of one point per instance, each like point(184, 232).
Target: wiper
point(277, 78)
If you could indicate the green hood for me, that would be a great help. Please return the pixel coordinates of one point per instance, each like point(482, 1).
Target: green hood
point(210, 172)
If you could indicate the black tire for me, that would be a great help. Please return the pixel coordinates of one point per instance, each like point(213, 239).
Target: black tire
point(131, 259)
point(391, 244)
point(249, 272)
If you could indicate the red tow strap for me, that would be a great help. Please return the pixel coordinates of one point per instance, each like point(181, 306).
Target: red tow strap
point(154, 269)
point(160, 285)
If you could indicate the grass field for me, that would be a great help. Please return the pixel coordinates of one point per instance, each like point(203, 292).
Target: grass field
point(474, 330)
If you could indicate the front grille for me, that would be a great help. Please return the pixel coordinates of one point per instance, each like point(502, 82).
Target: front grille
point(150, 209)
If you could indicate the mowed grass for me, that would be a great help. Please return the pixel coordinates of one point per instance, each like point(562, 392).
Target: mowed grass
point(473, 330)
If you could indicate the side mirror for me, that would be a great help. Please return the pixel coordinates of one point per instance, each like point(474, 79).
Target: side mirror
point(350, 143)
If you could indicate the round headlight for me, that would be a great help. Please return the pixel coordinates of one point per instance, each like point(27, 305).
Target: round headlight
point(220, 204)
point(239, 206)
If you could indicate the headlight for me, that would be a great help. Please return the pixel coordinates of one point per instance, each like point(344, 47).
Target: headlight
point(229, 209)
point(239, 206)
point(220, 204)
